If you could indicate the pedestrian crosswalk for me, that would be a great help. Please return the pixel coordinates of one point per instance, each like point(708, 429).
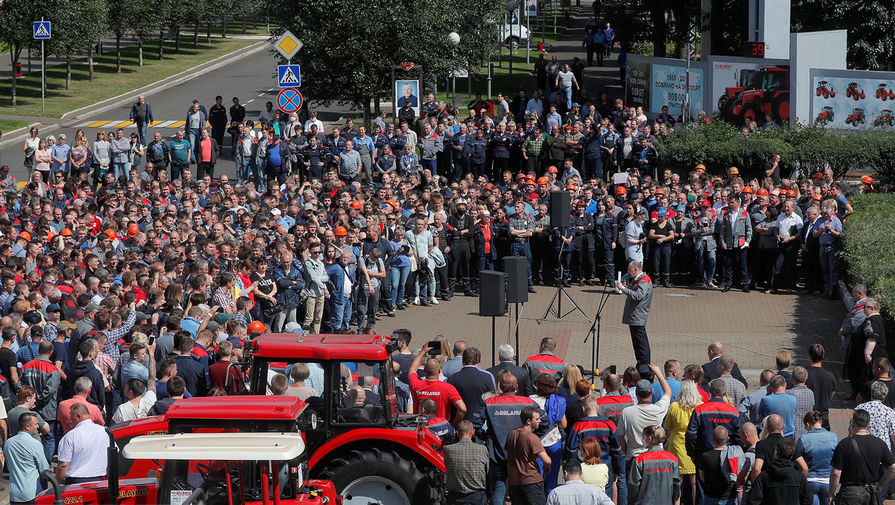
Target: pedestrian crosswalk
point(115, 124)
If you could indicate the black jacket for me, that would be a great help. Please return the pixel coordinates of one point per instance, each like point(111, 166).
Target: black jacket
point(780, 484)
point(710, 370)
point(85, 368)
point(517, 371)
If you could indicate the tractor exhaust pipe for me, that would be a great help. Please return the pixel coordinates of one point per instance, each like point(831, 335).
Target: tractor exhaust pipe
point(51, 479)
point(112, 464)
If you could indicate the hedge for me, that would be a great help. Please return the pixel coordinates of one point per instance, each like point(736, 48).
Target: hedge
point(868, 236)
point(803, 149)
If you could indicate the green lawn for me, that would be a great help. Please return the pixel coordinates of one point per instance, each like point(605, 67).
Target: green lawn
point(8, 125)
point(107, 83)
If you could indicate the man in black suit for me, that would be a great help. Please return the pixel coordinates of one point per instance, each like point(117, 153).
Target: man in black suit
point(472, 382)
point(506, 354)
point(710, 369)
point(188, 367)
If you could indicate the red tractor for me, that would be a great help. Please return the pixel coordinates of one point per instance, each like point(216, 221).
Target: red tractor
point(885, 118)
point(855, 91)
point(206, 464)
point(823, 89)
point(825, 116)
point(731, 93)
point(766, 92)
point(884, 93)
point(856, 117)
point(372, 454)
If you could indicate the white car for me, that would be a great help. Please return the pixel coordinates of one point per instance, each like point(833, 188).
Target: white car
point(514, 34)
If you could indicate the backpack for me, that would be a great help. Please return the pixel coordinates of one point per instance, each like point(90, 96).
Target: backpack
point(732, 460)
point(9, 401)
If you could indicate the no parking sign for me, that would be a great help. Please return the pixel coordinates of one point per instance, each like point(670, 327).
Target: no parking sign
point(289, 100)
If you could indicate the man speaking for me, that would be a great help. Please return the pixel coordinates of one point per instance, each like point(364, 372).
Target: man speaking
point(638, 288)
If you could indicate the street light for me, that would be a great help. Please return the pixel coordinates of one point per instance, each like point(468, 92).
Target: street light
point(511, 9)
point(454, 37)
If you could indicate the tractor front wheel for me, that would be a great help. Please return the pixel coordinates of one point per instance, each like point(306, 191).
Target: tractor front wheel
point(379, 476)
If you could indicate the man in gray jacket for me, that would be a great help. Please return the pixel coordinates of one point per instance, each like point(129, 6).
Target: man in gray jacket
point(639, 291)
point(430, 144)
point(349, 164)
point(735, 228)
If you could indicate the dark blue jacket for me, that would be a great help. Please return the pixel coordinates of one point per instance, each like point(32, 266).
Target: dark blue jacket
point(471, 382)
point(501, 413)
point(705, 418)
point(85, 368)
point(604, 430)
point(606, 232)
point(193, 374)
point(478, 150)
point(336, 282)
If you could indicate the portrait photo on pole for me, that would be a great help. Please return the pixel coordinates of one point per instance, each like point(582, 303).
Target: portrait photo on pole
point(408, 91)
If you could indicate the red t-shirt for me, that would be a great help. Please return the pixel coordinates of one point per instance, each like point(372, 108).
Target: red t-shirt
point(443, 393)
point(206, 150)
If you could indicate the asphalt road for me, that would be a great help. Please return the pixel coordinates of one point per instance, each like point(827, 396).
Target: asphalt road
point(252, 79)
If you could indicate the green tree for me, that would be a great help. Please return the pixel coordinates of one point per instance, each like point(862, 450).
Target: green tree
point(870, 25)
point(121, 18)
point(146, 22)
point(82, 25)
point(16, 33)
point(350, 61)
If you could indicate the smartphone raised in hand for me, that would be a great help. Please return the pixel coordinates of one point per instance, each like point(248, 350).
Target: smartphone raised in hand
point(434, 347)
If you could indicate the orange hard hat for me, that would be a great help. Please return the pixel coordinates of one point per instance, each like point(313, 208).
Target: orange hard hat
point(621, 190)
point(571, 187)
point(257, 327)
point(762, 192)
point(529, 176)
point(867, 180)
point(25, 235)
point(66, 232)
point(50, 236)
point(520, 175)
point(111, 234)
point(489, 186)
point(553, 170)
point(341, 231)
point(133, 230)
point(660, 191)
point(747, 189)
point(818, 197)
point(393, 204)
point(357, 205)
point(700, 167)
point(542, 181)
point(791, 193)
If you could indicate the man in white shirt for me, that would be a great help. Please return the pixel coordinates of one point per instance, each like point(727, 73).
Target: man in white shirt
point(575, 491)
point(82, 454)
point(637, 417)
point(789, 226)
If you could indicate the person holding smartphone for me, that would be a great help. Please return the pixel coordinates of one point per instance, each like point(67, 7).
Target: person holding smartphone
point(445, 396)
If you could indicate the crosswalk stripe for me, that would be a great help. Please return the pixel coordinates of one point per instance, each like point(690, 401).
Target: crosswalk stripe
point(156, 123)
point(97, 124)
point(177, 124)
point(165, 124)
point(159, 123)
point(124, 124)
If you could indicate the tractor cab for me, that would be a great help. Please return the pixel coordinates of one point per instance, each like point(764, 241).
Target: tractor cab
point(209, 469)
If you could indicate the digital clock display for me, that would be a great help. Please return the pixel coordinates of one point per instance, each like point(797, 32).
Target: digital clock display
point(753, 49)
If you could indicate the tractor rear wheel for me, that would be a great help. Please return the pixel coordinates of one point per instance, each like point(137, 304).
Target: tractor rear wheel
point(750, 113)
point(377, 476)
point(781, 108)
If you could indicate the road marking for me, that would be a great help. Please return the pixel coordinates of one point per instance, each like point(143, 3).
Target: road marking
point(97, 124)
point(123, 124)
point(250, 101)
point(112, 124)
point(154, 124)
point(177, 124)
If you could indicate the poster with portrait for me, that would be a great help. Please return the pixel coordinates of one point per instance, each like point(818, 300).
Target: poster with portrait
point(408, 91)
point(531, 8)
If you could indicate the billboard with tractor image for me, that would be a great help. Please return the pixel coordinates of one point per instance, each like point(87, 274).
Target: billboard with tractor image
point(750, 90)
point(853, 99)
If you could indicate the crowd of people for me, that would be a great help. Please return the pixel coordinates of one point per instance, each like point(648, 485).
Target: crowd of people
point(111, 249)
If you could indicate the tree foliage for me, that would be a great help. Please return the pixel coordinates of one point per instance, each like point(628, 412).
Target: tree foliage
point(83, 24)
point(16, 33)
point(867, 237)
point(350, 48)
point(870, 25)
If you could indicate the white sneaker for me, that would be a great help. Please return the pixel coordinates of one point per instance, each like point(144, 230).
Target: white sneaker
point(713, 285)
point(416, 301)
point(434, 301)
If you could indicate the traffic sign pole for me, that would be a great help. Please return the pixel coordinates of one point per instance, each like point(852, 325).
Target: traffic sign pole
point(43, 75)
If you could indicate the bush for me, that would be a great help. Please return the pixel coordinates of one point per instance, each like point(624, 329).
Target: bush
point(803, 149)
point(868, 235)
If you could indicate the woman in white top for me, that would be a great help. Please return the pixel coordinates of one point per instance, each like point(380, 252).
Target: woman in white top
point(102, 153)
point(593, 471)
point(30, 147)
point(42, 158)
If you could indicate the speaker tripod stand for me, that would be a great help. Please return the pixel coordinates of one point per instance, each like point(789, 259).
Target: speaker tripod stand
point(555, 306)
point(594, 331)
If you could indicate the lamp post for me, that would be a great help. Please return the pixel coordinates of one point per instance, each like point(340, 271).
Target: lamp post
point(454, 37)
point(511, 9)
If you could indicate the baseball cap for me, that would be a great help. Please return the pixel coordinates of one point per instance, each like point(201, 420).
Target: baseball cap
point(309, 206)
point(644, 386)
point(705, 203)
point(275, 212)
point(486, 212)
point(92, 306)
point(54, 307)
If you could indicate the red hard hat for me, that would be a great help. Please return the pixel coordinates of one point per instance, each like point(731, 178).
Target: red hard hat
point(571, 187)
point(257, 327)
point(133, 230)
point(762, 192)
point(542, 181)
point(340, 230)
point(867, 180)
point(357, 205)
point(621, 190)
point(552, 170)
point(747, 189)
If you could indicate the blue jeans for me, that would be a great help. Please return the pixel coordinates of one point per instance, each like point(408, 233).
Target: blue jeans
point(431, 165)
point(820, 491)
point(520, 249)
point(243, 165)
point(497, 482)
point(193, 136)
point(424, 290)
point(568, 94)
point(716, 501)
point(339, 313)
point(141, 131)
point(829, 265)
point(49, 440)
point(740, 256)
point(622, 486)
point(705, 264)
point(398, 279)
point(120, 169)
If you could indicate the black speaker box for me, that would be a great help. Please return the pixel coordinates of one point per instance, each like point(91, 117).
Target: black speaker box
point(560, 209)
point(492, 293)
point(516, 268)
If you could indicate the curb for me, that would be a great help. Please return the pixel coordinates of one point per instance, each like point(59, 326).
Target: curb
point(19, 134)
point(169, 82)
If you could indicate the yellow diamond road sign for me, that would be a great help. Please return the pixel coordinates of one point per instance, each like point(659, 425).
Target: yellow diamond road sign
point(288, 45)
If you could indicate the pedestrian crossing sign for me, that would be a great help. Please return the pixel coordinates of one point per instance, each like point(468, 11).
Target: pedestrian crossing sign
point(42, 30)
point(288, 76)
